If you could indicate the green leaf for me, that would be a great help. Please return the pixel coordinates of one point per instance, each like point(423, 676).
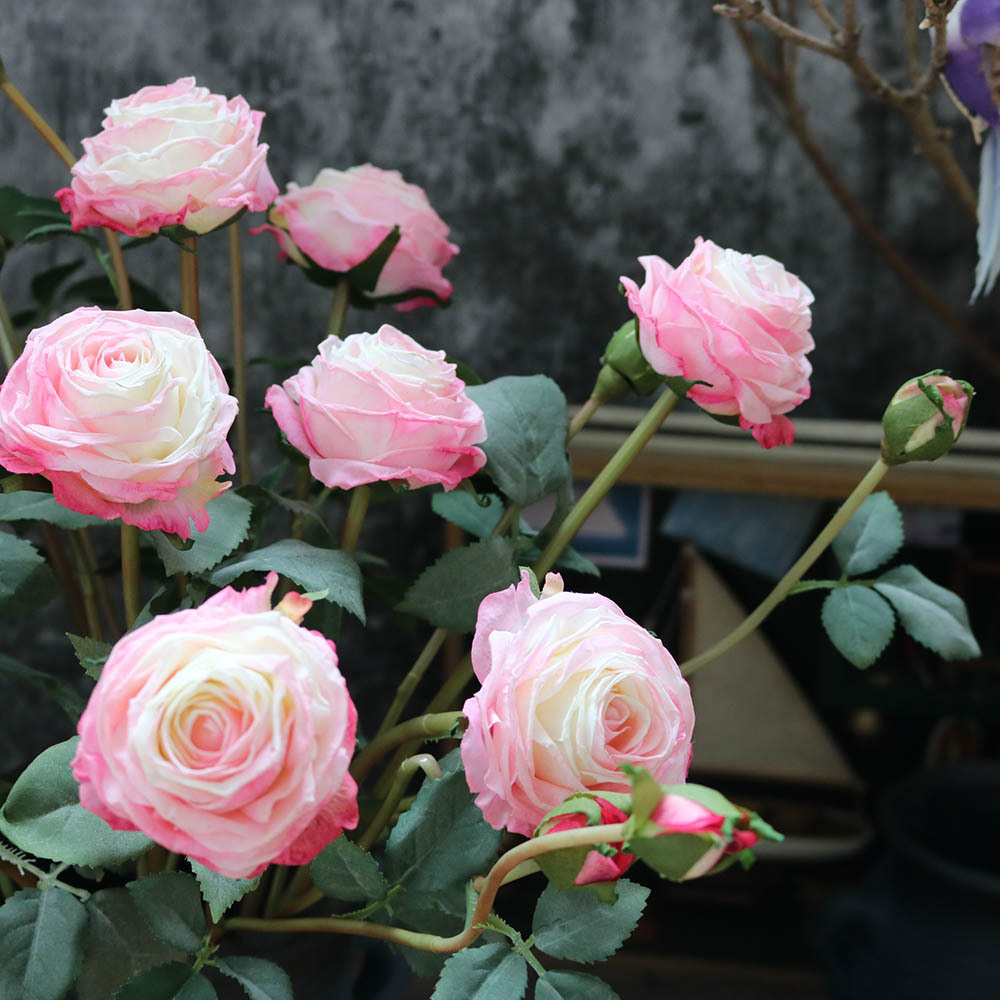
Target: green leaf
point(260, 979)
point(572, 986)
point(101, 292)
point(933, 615)
point(526, 425)
point(489, 972)
point(60, 691)
point(448, 593)
point(43, 816)
point(45, 284)
point(859, 623)
point(92, 653)
point(229, 520)
point(310, 567)
point(41, 939)
point(366, 274)
point(118, 945)
point(170, 902)
point(25, 505)
point(20, 213)
point(871, 537)
point(464, 508)
point(173, 981)
point(681, 386)
point(673, 855)
point(345, 871)
point(577, 926)
point(218, 891)
point(20, 559)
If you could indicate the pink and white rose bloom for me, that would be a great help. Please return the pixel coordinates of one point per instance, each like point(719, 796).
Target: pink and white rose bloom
point(572, 688)
point(379, 407)
point(738, 322)
point(340, 219)
point(170, 155)
point(125, 413)
point(224, 733)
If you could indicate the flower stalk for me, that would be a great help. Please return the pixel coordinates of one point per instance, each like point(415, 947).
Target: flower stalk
point(189, 280)
point(785, 585)
point(431, 726)
point(341, 300)
point(419, 762)
point(239, 355)
point(356, 511)
point(131, 591)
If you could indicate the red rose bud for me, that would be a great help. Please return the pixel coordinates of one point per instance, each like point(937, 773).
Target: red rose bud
point(925, 418)
point(597, 865)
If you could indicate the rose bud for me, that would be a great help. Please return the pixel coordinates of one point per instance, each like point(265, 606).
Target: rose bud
point(593, 866)
point(379, 407)
point(223, 732)
point(338, 222)
point(733, 330)
point(571, 689)
point(625, 368)
point(171, 156)
point(925, 418)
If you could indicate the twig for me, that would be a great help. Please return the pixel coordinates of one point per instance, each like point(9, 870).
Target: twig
point(753, 10)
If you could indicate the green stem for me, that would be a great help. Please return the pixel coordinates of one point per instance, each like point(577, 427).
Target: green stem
point(423, 727)
point(85, 580)
point(356, 511)
point(276, 890)
point(300, 492)
point(420, 762)
point(189, 280)
point(124, 287)
point(239, 356)
point(103, 596)
point(412, 679)
point(131, 590)
point(792, 577)
point(10, 346)
point(341, 300)
point(585, 836)
point(582, 416)
point(606, 478)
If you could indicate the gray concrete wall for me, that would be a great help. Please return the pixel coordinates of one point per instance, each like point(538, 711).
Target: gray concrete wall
point(559, 138)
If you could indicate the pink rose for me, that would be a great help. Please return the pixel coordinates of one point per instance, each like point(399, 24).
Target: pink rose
point(224, 733)
point(678, 814)
point(596, 867)
point(737, 322)
point(173, 155)
point(338, 221)
point(571, 689)
point(379, 407)
point(125, 413)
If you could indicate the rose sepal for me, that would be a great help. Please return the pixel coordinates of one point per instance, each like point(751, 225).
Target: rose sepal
point(625, 367)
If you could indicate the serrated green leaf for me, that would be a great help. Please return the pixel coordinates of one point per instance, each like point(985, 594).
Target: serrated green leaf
point(91, 653)
point(526, 424)
point(173, 981)
point(871, 537)
point(43, 816)
point(19, 559)
point(229, 520)
point(560, 985)
point(27, 505)
point(464, 509)
point(442, 839)
point(41, 944)
point(577, 926)
point(489, 972)
point(170, 903)
point(933, 615)
point(260, 979)
point(859, 623)
point(60, 691)
point(345, 871)
point(218, 891)
point(118, 945)
point(313, 568)
point(448, 593)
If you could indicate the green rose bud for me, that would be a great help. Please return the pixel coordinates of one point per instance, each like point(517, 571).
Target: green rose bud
point(925, 418)
point(625, 368)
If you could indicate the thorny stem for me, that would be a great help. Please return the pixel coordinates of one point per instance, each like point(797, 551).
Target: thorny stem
point(606, 834)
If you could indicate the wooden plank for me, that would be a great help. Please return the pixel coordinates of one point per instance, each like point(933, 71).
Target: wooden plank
point(828, 458)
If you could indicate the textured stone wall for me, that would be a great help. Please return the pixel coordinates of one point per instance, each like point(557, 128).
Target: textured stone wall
point(559, 138)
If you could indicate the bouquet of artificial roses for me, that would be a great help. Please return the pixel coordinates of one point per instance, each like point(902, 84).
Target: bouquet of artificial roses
point(218, 782)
